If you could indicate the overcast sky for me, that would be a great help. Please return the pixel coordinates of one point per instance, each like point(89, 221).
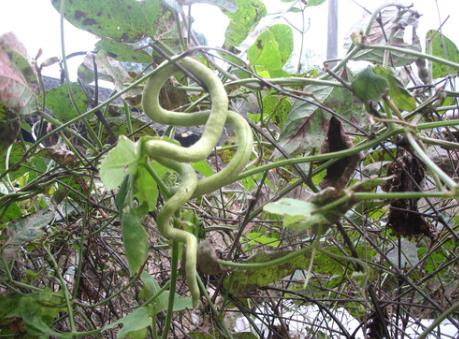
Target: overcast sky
point(36, 24)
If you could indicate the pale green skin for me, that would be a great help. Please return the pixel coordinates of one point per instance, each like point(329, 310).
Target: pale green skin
point(179, 158)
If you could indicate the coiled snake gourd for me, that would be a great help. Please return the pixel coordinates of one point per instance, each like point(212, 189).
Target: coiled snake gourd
point(179, 158)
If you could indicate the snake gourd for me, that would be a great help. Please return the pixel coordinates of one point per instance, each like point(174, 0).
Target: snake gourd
point(178, 158)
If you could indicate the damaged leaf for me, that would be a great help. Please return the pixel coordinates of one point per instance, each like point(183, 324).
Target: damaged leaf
point(338, 173)
point(121, 20)
point(390, 29)
point(247, 16)
point(404, 218)
point(18, 83)
point(306, 125)
point(111, 70)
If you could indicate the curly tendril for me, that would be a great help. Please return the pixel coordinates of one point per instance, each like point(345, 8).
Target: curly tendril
point(178, 158)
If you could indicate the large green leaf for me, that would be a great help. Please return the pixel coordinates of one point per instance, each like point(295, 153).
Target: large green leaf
point(398, 93)
point(120, 161)
point(367, 85)
point(123, 52)
point(248, 14)
point(305, 125)
point(135, 240)
point(229, 5)
point(272, 48)
point(63, 106)
point(444, 48)
point(121, 20)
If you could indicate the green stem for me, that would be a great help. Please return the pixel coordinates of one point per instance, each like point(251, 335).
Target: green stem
point(258, 265)
point(67, 295)
point(173, 284)
point(412, 52)
point(439, 319)
point(429, 163)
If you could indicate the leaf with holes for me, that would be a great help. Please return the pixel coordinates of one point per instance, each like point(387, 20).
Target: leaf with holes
point(272, 49)
point(123, 51)
point(121, 20)
point(247, 16)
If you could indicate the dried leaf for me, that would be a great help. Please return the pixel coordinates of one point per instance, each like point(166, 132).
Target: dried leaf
point(339, 173)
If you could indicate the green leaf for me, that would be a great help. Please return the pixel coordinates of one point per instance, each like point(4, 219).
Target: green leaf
point(135, 240)
point(298, 214)
point(402, 98)
point(121, 20)
point(123, 52)
point(120, 161)
point(160, 304)
point(315, 2)
point(36, 310)
point(272, 48)
point(305, 125)
point(136, 321)
point(64, 108)
point(228, 5)
point(247, 16)
point(9, 127)
point(203, 168)
point(9, 212)
point(444, 48)
point(367, 85)
point(276, 109)
point(243, 282)
point(25, 230)
point(259, 238)
point(22, 169)
point(145, 188)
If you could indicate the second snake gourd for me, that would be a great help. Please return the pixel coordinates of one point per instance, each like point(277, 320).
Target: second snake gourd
point(178, 158)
